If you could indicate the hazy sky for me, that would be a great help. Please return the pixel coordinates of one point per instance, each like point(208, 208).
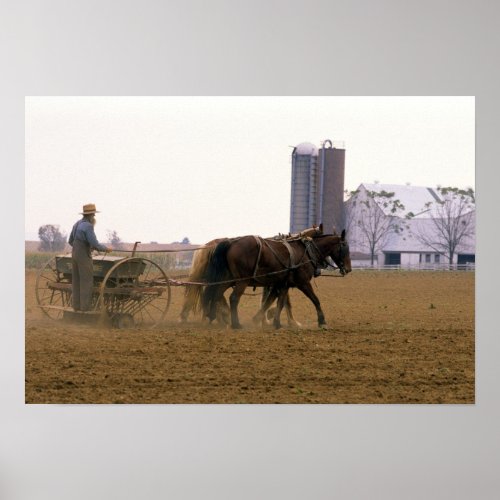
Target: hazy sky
point(162, 168)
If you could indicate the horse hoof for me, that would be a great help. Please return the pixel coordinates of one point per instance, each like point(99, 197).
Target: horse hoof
point(257, 320)
point(270, 313)
point(237, 327)
point(324, 326)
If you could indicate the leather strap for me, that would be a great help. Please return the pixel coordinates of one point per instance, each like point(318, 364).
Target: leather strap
point(259, 244)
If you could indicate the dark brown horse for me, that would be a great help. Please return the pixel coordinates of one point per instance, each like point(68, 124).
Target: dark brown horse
point(201, 258)
point(280, 265)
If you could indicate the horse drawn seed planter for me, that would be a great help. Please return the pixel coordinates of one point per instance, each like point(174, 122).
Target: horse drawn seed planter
point(126, 290)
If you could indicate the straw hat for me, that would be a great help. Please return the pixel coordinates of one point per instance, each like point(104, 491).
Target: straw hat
point(89, 209)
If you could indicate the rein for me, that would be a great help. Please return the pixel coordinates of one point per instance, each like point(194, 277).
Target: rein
point(246, 278)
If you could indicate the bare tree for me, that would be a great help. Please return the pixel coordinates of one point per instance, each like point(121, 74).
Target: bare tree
point(51, 238)
point(114, 240)
point(375, 215)
point(450, 223)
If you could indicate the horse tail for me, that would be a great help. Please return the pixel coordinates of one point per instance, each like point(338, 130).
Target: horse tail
point(217, 270)
point(192, 294)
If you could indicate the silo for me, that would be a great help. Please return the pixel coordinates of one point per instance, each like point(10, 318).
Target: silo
point(304, 187)
point(330, 209)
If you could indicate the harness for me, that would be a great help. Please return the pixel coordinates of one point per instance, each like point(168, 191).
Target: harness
point(261, 241)
point(312, 251)
point(259, 244)
point(290, 253)
point(315, 255)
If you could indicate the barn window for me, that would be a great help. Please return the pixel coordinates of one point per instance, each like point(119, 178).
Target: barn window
point(427, 258)
point(436, 258)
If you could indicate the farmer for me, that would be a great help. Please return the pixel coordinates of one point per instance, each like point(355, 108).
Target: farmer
point(83, 240)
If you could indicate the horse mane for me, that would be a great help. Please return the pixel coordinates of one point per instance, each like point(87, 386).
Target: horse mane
point(317, 237)
point(341, 236)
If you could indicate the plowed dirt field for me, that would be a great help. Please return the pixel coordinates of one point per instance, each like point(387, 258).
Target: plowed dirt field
point(394, 337)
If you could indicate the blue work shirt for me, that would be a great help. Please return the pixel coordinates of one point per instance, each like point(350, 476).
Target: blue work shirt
point(83, 230)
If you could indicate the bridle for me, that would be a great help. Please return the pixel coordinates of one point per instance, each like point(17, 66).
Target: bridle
point(320, 261)
point(343, 252)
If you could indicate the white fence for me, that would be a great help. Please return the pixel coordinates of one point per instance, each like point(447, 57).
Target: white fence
point(418, 267)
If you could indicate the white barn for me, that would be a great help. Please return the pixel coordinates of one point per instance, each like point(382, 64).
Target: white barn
point(415, 244)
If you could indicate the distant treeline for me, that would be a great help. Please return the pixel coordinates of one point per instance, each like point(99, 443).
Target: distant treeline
point(36, 260)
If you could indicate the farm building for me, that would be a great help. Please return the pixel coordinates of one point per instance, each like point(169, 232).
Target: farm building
point(412, 226)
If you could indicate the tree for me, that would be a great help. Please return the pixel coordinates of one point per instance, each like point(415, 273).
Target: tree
point(450, 223)
point(374, 215)
point(51, 238)
point(114, 240)
point(185, 241)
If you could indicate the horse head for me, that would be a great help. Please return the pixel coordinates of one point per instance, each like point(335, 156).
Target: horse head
point(340, 255)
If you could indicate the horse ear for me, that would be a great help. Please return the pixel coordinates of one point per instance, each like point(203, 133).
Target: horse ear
point(334, 231)
point(342, 236)
point(321, 227)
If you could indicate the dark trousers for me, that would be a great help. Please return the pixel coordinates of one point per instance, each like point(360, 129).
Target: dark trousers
point(83, 276)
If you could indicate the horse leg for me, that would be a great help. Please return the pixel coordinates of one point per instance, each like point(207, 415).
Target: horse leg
point(308, 291)
point(185, 311)
point(234, 300)
point(223, 312)
point(288, 306)
point(281, 301)
point(266, 318)
point(211, 311)
point(260, 317)
point(190, 300)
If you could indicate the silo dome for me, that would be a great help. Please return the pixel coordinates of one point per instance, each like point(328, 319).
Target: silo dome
point(306, 148)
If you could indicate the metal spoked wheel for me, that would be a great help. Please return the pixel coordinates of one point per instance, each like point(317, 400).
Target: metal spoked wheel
point(135, 291)
point(53, 290)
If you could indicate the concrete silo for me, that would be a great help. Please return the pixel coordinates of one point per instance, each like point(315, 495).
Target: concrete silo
point(317, 186)
point(303, 203)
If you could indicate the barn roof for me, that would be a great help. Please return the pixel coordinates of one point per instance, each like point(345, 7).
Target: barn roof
point(414, 198)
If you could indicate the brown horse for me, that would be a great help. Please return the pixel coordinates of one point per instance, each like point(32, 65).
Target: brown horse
point(201, 259)
point(280, 265)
